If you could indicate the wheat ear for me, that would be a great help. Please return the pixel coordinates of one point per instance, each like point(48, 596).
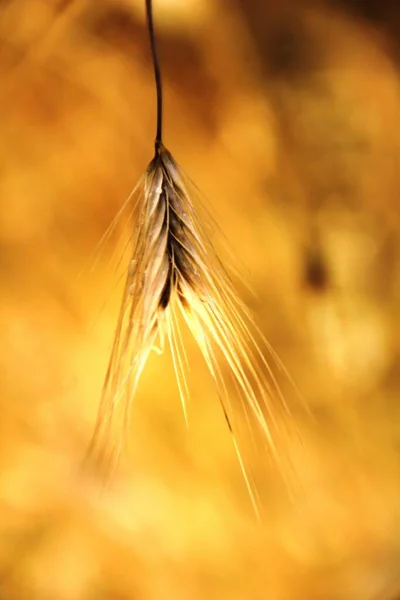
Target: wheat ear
point(174, 270)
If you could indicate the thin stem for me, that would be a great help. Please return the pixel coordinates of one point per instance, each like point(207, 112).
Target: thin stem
point(157, 73)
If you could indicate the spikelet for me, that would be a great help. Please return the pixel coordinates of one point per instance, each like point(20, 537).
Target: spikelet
point(174, 269)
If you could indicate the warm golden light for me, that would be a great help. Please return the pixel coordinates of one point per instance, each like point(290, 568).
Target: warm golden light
point(285, 120)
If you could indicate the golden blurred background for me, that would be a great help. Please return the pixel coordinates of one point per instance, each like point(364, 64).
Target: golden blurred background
point(286, 116)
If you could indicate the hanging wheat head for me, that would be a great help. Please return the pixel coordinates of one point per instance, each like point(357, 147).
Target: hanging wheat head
point(174, 271)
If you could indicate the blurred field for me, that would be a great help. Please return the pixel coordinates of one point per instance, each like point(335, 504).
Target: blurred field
point(287, 119)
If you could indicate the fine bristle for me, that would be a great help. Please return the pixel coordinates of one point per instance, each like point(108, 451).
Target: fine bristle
point(174, 269)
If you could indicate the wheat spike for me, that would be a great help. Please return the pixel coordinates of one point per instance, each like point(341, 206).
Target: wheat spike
point(174, 270)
